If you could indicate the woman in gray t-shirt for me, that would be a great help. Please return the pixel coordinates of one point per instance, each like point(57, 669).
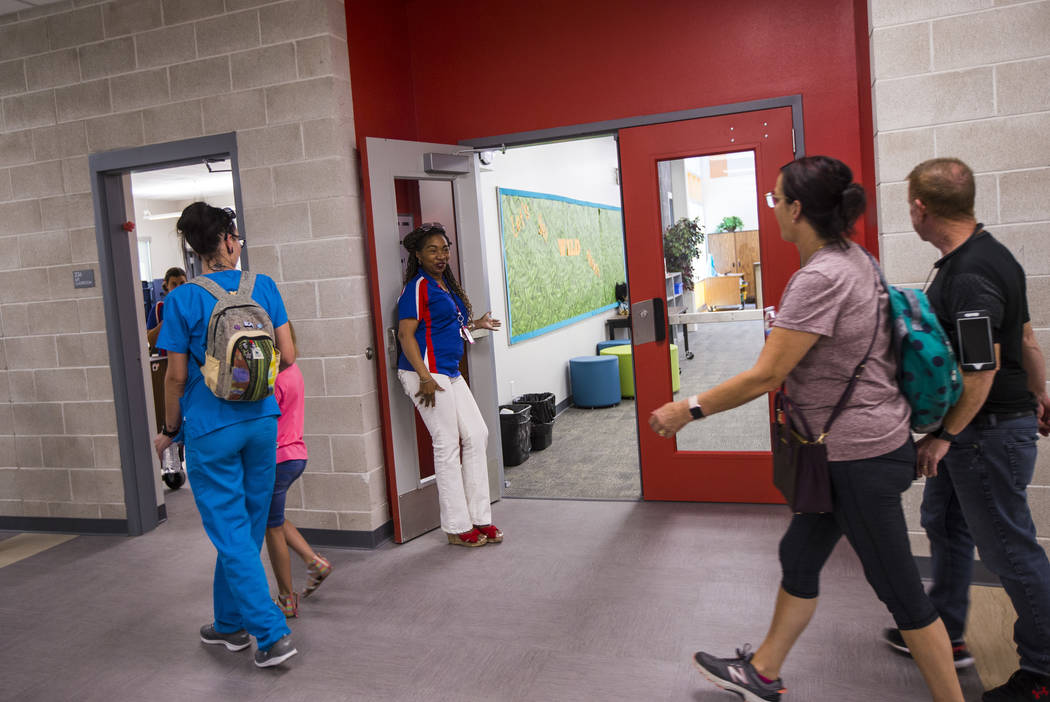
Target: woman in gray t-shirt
point(829, 312)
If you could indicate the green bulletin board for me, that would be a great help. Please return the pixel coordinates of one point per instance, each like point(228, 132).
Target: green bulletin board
point(562, 259)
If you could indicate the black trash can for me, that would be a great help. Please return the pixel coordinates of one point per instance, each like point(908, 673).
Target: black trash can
point(542, 404)
point(542, 435)
point(514, 426)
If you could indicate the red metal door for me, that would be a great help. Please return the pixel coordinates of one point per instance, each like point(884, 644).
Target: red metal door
point(669, 473)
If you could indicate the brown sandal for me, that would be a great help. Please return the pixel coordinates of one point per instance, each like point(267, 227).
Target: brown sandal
point(491, 533)
point(468, 538)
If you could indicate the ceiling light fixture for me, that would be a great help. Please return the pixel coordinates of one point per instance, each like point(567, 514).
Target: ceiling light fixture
point(163, 215)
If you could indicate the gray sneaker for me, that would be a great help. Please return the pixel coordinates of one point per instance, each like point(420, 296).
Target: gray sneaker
point(739, 676)
point(237, 641)
point(281, 651)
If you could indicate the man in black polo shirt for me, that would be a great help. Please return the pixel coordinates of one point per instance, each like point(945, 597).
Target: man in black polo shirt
point(982, 459)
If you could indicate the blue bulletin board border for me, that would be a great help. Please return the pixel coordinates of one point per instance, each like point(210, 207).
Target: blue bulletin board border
point(515, 338)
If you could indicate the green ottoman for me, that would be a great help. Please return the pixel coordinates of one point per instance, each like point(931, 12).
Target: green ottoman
point(625, 360)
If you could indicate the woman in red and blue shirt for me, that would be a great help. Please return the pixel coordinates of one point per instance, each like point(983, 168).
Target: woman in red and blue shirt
point(435, 320)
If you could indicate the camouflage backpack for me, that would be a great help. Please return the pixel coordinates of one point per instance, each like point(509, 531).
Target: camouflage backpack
point(241, 358)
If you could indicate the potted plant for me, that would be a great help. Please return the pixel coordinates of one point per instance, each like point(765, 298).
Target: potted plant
point(681, 245)
point(730, 224)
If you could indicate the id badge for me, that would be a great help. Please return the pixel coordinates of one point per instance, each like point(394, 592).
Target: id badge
point(465, 333)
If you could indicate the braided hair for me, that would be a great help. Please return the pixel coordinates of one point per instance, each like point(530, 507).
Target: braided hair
point(414, 242)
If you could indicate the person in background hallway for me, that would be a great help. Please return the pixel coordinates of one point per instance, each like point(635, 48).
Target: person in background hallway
point(822, 331)
point(979, 464)
point(435, 321)
point(173, 278)
point(230, 446)
point(281, 534)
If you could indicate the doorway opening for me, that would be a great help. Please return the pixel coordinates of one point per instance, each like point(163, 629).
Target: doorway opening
point(158, 197)
point(138, 195)
point(553, 219)
point(489, 213)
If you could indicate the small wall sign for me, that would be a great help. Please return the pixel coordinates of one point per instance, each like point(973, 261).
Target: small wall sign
point(84, 278)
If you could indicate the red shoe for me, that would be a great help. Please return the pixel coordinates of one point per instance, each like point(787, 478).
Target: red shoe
point(492, 534)
point(468, 538)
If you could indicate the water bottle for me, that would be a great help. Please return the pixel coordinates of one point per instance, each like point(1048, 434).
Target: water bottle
point(170, 461)
point(769, 315)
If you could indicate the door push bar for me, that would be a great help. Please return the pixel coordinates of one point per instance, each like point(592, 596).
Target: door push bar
point(649, 321)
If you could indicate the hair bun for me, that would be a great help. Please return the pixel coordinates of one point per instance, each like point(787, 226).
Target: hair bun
point(854, 200)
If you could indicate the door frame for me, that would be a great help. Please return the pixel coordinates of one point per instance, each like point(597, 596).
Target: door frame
point(437, 162)
point(139, 466)
point(612, 126)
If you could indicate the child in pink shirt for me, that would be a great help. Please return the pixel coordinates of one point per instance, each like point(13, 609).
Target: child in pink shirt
point(281, 534)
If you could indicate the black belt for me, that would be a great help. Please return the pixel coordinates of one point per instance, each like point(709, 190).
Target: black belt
point(990, 419)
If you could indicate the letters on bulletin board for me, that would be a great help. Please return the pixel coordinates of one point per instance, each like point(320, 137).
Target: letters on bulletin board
point(562, 259)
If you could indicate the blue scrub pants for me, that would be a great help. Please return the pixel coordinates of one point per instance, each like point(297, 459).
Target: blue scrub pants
point(231, 471)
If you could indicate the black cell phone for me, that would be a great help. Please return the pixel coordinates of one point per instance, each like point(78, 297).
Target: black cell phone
point(976, 348)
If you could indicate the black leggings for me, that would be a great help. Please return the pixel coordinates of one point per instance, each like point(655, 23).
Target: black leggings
point(867, 496)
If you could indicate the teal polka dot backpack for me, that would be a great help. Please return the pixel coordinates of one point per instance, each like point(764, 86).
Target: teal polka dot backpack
point(927, 371)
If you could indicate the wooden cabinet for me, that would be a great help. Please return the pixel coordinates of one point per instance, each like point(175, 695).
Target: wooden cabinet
point(722, 292)
point(736, 252)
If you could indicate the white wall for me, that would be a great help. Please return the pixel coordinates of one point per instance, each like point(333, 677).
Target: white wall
point(164, 240)
point(730, 195)
point(584, 170)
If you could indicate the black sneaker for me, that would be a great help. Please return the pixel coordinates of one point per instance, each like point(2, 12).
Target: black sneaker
point(237, 641)
point(739, 676)
point(960, 654)
point(281, 651)
point(1022, 685)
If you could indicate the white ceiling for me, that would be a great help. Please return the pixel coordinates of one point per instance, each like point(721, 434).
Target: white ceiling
point(9, 6)
point(192, 182)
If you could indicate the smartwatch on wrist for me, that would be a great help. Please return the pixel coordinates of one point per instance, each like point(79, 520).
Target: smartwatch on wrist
point(945, 435)
point(170, 433)
point(694, 407)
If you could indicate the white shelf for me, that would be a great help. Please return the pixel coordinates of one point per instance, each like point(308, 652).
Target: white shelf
point(670, 280)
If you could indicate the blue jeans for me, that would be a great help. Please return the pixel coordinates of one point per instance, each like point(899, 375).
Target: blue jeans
point(979, 497)
point(232, 472)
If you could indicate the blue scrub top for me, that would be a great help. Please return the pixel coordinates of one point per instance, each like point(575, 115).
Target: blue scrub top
point(441, 315)
point(187, 310)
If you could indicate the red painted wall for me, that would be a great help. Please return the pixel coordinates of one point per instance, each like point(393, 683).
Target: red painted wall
point(478, 68)
point(380, 69)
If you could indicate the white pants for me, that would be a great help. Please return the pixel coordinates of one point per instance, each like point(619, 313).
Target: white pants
point(462, 474)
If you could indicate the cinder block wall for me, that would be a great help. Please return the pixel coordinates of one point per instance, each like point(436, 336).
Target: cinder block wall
point(968, 78)
point(80, 78)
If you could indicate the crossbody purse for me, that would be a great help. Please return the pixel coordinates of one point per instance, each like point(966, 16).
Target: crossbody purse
point(800, 459)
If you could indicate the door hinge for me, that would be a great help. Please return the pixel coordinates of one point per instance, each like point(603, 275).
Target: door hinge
point(794, 151)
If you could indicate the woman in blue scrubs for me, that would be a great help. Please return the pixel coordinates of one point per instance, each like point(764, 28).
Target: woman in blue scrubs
point(230, 446)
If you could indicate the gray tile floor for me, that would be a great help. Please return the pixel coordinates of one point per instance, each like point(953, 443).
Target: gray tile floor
point(583, 601)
